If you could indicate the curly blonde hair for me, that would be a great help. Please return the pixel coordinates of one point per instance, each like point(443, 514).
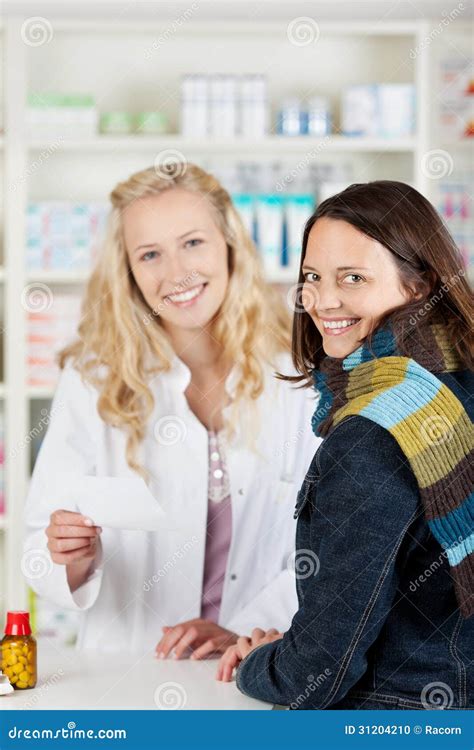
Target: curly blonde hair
point(252, 325)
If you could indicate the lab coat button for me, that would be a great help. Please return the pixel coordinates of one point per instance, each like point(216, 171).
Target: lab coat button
point(241, 491)
point(233, 577)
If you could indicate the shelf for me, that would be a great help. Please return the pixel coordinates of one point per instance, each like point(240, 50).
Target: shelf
point(269, 144)
point(282, 276)
point(460, 144)
point(235, 20)
point(58, 277)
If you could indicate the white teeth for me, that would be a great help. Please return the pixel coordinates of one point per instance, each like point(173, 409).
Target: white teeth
point(186, 296)
point(339, 323)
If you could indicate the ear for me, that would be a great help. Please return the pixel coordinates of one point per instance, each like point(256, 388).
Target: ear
point(424, 286)
point(417, 295)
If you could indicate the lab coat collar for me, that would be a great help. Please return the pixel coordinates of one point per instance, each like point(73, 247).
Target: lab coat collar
point(178, 377)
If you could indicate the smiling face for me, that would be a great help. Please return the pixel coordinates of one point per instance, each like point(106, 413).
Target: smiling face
point(178, 256)
point(351, 281)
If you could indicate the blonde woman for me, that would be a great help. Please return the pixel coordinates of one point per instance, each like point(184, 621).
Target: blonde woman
point(171, 381)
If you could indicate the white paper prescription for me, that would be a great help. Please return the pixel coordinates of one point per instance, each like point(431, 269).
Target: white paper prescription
point(119, 503)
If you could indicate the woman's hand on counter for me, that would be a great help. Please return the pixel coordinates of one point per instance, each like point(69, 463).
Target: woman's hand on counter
point(72, 541)
point(203, 636)
point(234, 654)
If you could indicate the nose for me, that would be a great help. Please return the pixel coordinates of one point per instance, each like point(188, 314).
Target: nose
point(328, 296)
point(175, 271)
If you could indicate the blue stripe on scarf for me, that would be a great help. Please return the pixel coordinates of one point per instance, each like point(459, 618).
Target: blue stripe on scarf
point(383, 344)
point(392, 406)
point(325, 400)
point(459, 552)
point(456, 525)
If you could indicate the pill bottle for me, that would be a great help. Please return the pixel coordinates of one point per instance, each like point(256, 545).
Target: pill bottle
point(18, 651)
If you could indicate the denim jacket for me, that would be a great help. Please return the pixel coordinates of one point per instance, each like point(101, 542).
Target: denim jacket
point(378, 625)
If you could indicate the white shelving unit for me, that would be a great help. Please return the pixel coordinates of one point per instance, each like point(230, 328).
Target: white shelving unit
point(111, 61)
point(271, 145)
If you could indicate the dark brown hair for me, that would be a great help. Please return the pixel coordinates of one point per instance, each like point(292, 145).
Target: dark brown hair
point(428, 260)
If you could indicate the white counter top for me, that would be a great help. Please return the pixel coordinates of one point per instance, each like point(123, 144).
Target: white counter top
point(93, 680)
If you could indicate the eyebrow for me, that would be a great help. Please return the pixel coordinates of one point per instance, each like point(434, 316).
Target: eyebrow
point(341, 268)
point(154, 244)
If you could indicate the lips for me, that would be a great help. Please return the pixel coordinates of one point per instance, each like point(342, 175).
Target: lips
point(187, 297)
point(339, 326)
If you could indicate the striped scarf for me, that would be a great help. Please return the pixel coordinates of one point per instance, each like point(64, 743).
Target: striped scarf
point(429, 423)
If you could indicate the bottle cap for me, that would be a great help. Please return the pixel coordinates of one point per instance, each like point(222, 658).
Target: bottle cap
point(18, 623)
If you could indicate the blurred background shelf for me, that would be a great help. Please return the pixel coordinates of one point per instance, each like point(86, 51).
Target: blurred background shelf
point(58, 277)
point(272, 144)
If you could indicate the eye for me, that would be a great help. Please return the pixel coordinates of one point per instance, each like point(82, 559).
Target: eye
point(310, 273)
point(195, 242)
point(150, 255)
point(355, 278)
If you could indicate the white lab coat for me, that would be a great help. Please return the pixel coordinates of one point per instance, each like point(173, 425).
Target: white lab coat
point(144, 580)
